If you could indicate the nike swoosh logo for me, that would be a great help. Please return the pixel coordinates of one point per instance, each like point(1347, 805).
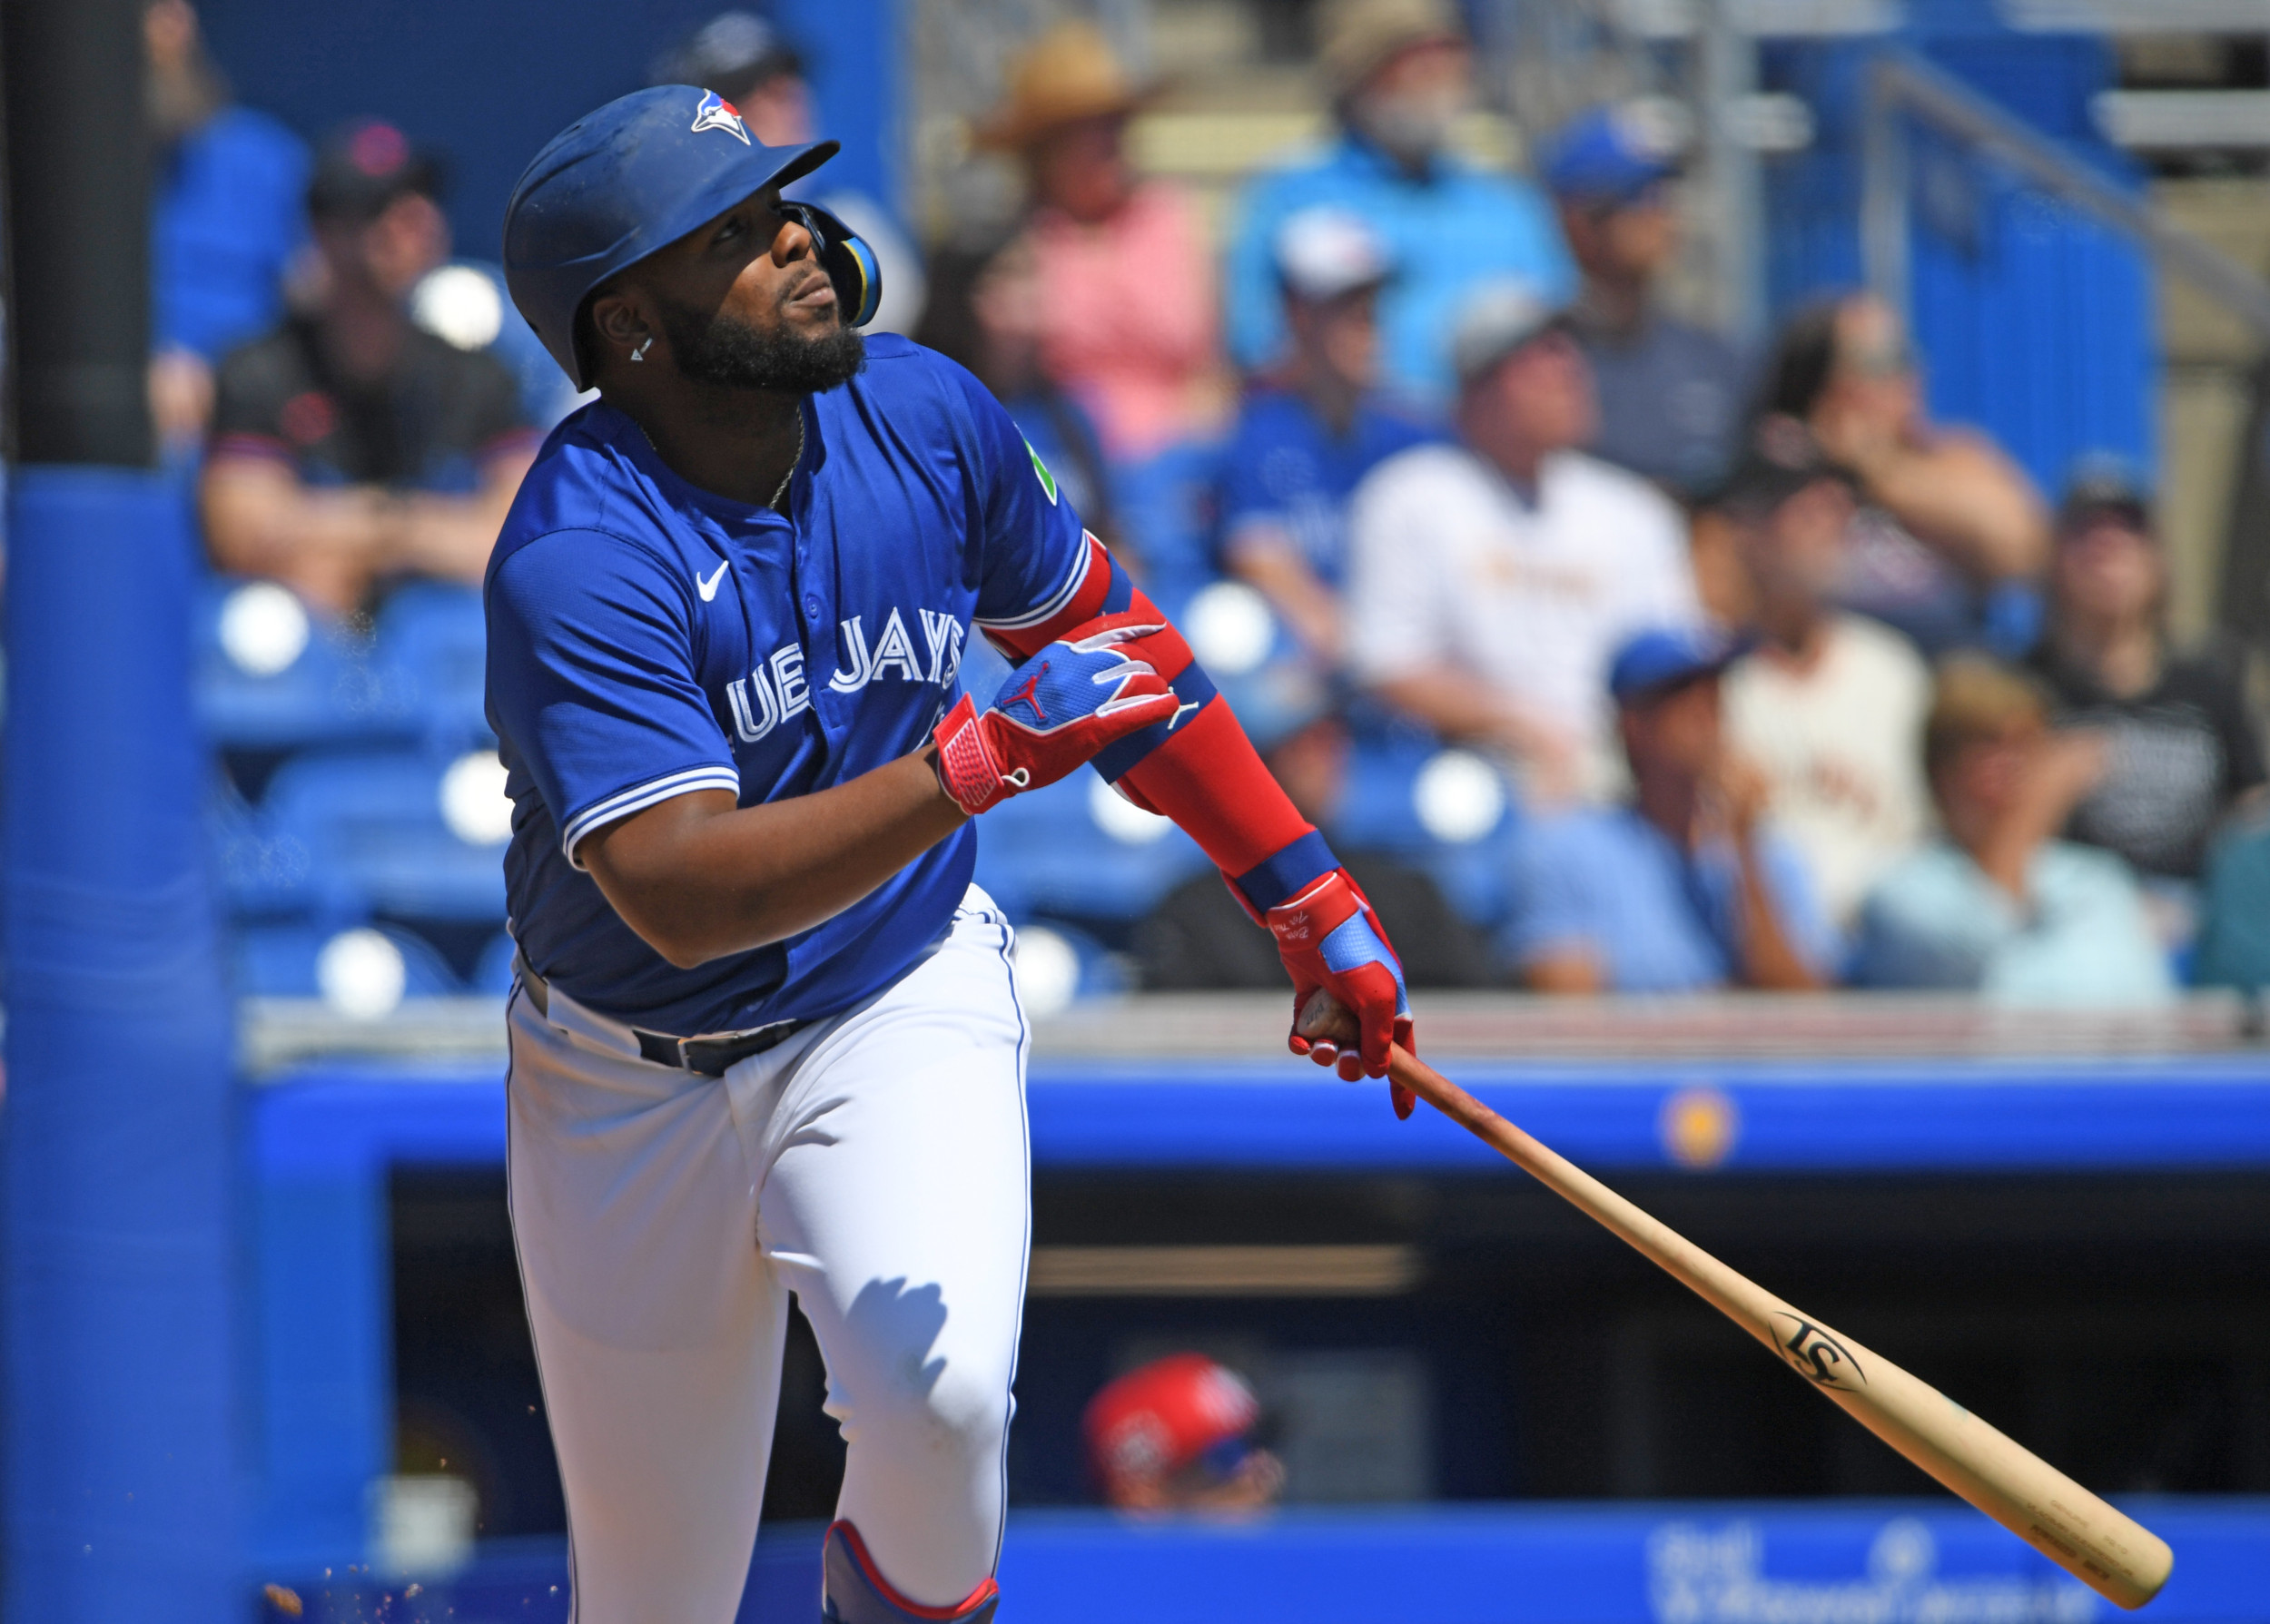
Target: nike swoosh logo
point(709, 587)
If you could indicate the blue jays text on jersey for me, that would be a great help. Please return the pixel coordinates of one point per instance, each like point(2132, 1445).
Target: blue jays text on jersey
point(647, 638)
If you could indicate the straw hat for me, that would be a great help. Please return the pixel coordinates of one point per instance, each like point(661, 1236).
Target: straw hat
point(1355, 38)
point(1068, 73)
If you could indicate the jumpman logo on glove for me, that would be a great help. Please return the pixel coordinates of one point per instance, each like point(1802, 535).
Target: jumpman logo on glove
point(1095, 694)
point(1028, 694)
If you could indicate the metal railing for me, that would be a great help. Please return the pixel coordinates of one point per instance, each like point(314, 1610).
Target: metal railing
point(1901, 86)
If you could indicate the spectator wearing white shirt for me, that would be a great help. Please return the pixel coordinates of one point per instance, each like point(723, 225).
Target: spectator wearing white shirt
point(1489, 581)
point(1830, 706)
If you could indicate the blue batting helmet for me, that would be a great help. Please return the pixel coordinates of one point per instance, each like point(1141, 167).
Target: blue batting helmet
point(633, 177)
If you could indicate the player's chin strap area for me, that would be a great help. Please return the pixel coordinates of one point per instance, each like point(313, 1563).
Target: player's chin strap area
point(853, 1591)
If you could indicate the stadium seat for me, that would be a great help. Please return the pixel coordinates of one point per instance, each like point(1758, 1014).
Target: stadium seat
point(492, 972)
point(1166, 507)
point(431, 643)
point(1076, 851)
point(1476, 876)
point(1059, 964)
point(352, 969)
point(264, 873)
point(272, 676)
point(1449, 811)
point(1378, 812)
point(1467, 809)
point(418, 836)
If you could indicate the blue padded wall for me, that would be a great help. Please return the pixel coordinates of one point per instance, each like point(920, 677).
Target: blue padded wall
point(2035, 321)
point(122, 1464)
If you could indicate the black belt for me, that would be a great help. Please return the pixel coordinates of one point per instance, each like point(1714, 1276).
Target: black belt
point(709, 1055)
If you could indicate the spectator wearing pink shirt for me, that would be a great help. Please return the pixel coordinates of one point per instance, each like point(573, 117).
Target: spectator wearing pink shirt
point(1127, 299)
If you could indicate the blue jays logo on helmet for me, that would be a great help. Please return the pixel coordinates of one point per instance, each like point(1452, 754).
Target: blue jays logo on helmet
point(715, 112)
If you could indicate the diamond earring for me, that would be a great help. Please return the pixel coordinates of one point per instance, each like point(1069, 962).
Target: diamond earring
point(639, 354)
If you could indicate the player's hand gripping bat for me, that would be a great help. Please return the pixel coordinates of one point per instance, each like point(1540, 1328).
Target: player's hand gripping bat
point(2116, 1557)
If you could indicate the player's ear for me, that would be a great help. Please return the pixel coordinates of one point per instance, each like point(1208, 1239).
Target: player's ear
point(621, 327)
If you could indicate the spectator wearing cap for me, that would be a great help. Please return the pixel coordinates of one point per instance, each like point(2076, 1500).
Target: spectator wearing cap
point(2181, 748)
point(755, 66)
point(1686, 887)
point(1490, 580)
point(1126, 275)
point(1951, 533)
point(1399, 74)
point(349, 446)
point(1829, 704)
point(982, 310)
point(226, 221)
point(1671, 395)
point(1998, 904)
point(1197, 939)
point(1308, 434)
point(1177, 1434)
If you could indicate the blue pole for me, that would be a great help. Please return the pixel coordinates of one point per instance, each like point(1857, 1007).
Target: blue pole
point(120, 1487)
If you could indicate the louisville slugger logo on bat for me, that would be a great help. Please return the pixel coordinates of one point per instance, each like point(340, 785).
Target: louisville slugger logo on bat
point(1818, 1356)
point(2103, 1547)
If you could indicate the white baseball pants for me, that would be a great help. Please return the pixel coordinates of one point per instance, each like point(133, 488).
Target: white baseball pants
point(876, 1165)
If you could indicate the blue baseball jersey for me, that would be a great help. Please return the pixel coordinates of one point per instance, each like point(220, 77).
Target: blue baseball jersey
point(1286, 469)
point(647, 638)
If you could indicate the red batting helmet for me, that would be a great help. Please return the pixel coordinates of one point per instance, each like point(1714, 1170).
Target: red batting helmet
point(1165, 1415)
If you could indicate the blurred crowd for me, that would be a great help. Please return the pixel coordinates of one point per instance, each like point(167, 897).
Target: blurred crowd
point(1787, 686)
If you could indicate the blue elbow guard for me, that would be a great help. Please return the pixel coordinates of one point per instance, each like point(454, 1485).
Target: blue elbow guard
point(853, 1591)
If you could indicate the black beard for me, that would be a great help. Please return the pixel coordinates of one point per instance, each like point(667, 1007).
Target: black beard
point(717, 348)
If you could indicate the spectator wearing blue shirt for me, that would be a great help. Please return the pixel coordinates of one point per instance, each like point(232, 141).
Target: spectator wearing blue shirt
point(1670, 394)
point(225, 221)
point(1400, 74)
point(1685, 889)
point(1996, 905)
point(1307, 436)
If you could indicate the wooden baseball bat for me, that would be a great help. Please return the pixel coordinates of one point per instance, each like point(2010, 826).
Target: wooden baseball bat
point(2113, 1554)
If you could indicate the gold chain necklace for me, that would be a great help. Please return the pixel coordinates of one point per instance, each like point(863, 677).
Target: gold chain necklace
point(793, 461)
point(779, 490)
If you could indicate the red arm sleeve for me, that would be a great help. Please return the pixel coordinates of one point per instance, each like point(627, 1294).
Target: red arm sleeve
point(1197, 767)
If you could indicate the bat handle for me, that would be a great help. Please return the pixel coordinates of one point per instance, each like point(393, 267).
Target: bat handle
point(1456, 1103)
point(1702, 1274)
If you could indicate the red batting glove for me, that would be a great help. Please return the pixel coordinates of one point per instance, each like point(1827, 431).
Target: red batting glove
point(1062, 705)
point(1329, 937)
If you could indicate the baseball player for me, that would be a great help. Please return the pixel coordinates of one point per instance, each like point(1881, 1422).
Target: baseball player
point(766, 1037)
